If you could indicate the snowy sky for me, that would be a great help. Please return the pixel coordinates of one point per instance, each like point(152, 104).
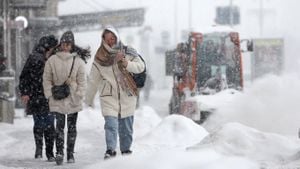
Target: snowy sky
point(279, 21)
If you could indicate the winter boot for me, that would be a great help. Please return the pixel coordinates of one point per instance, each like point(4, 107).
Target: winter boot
point(109, 154)
point(70, 147)
point(38, 153)
point(59, 159)
point(71, 138)
point(49, 142)
point(126, 152)
point(38, 137)
point(51, 159)
point(70, 158)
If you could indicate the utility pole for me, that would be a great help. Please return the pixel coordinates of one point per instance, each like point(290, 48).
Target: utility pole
point(6, 34)
point(7, 77)
point(8, 37)
point(4, 28)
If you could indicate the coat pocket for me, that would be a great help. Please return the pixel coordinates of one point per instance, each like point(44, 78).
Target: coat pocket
point(106, 90)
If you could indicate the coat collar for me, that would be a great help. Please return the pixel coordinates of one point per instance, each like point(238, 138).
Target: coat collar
point(65, 55)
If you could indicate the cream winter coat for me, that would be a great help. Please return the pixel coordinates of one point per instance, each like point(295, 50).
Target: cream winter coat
point(113, 99)
point(56, 72)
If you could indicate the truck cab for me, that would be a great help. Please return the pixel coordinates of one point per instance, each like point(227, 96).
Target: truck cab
point(204, 65)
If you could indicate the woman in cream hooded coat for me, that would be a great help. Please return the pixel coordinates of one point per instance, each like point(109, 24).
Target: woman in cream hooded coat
point(56, 72)
point(118, 97)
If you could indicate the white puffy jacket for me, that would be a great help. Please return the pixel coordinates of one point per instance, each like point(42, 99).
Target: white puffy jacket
point(114, 101)
point(56, 72)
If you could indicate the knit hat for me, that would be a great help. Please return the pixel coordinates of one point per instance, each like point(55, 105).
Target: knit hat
point(48, 41)
point(67, 37)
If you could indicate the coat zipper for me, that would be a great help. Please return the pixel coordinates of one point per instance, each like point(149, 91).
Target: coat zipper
point(118, 91)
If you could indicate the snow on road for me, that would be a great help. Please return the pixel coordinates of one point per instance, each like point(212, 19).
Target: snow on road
point(175, 142)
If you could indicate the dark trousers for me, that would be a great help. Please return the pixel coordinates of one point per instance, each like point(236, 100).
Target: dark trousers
point(44, 128)
point(72, 132)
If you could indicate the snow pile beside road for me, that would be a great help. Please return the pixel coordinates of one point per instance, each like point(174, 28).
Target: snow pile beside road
point(145, 119)
point(235, 139)
point(175, 130)
point(270, 104)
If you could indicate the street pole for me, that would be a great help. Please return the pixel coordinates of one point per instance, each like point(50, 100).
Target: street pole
point(7, 77)
point(8, 38)
point(18, 56)
point(4, 28)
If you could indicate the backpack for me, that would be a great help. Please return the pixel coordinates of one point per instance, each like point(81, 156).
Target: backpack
point(140, 78)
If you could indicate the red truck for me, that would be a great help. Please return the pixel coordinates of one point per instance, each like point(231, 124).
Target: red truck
point(204, 65)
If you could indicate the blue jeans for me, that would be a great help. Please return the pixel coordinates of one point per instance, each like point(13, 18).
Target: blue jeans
point(122, 126)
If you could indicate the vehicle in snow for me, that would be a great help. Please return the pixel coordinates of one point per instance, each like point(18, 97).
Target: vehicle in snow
point(204, 65)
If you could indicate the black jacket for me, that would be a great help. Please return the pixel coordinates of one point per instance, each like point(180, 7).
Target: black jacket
point(31, 82)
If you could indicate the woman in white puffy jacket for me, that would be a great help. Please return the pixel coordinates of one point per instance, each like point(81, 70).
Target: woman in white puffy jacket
point(118, 95)
point(68, 58)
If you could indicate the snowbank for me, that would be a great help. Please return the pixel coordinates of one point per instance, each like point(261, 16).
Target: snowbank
point(145, 119)
point(270, 104)
point(174, 130)
point(235, 139)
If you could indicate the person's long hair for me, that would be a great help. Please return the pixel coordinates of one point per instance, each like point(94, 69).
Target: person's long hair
point(84, 54)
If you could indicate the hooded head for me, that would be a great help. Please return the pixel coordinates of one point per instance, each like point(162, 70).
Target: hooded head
point(111, 29)
point(48, 42)
point(67, 37)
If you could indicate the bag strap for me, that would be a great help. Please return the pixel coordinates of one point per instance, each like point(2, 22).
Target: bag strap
point(72, 67)
point(67, 81)
point(70, 70)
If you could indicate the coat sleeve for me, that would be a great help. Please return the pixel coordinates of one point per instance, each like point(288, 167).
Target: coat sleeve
point(25, 79)
point(81, 80)
point(93, 83)
point(47, 79)
point(135, 65)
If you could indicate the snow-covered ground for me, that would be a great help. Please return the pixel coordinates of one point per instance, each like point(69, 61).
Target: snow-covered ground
point(243, 134)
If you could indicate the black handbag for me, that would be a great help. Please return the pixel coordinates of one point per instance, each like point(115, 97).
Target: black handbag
point(60, 92)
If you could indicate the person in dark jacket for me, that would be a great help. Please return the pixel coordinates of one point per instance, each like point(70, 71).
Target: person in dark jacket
point(32, 95)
